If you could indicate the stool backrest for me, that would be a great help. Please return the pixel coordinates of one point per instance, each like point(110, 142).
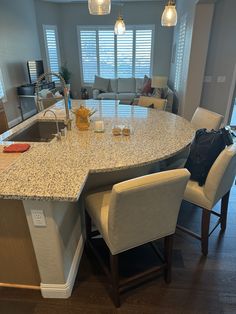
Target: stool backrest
point(221, 175)
point(158, 103)
point(145, 208)
point(207, 119)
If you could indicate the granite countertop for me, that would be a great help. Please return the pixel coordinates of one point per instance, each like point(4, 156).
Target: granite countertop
point(58, 170)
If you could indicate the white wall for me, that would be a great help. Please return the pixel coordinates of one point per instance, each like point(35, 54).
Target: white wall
point(73, 14)
point(49, 14)
point(185, 8)
point(221, 58)
point(199, 18)
point(198, 55)
point(18, 43)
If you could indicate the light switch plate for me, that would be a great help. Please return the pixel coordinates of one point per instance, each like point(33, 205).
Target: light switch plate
point(38, 218)
point(207, 79)
point(221, 79)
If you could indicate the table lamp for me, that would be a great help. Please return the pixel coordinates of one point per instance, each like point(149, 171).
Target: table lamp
point(159, 81)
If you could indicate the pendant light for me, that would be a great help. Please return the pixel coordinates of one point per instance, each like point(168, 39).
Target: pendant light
point(169, 16)
point(119, 28)
point(99, 7)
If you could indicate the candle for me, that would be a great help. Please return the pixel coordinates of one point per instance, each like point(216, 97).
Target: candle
point(99, 126)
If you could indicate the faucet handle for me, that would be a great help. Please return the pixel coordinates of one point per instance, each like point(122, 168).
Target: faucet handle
point(57, 136)
point(64, 131)
point(68, 124)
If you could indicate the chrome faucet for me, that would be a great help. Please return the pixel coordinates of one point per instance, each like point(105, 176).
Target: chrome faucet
point(63, 83)
point(58, 134)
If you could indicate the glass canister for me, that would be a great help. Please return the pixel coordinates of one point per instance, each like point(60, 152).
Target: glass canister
point(82, 118)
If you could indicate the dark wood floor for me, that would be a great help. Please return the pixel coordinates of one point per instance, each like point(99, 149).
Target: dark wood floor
point(199, 285)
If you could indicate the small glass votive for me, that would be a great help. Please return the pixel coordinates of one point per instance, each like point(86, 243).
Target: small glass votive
point(99, 127)
point(126, 131)
point(117, 130)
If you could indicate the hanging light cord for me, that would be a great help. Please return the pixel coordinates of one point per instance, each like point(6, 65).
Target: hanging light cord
point(120, 10)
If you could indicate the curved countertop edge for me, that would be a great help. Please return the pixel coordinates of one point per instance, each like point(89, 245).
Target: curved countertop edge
point(74, 196)
point(89, 171)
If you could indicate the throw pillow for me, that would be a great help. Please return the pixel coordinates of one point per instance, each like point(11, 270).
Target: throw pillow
point(147, 88)
point(157, 93)
point(101, 83)
point(145, 79)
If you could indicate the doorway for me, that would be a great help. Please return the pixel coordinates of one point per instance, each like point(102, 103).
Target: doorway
point(230, 115)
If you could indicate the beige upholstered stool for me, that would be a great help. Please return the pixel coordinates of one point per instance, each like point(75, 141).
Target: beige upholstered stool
point(206, 119)
point(157, 103)
point(202, 119)
point(133, 213)
point(218, 184)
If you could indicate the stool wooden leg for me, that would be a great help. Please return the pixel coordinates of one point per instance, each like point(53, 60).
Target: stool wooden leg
point(115, 279)
point(206, 214)
point(88, 226)
point(224, 210)
point(168, 245)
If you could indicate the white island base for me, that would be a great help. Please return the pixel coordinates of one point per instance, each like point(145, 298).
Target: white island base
point(58, 246)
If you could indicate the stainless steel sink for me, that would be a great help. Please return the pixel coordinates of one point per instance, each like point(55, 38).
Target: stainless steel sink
point(39, 131)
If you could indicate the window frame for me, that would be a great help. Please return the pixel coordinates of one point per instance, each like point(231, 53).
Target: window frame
point(4, 97)
point(52, 27)
point(180, 52)
point(111, 27)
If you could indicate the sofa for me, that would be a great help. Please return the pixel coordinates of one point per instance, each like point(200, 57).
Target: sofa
point(127, 90)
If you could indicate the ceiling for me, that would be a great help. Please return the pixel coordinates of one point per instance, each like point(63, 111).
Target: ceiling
point(69, 1)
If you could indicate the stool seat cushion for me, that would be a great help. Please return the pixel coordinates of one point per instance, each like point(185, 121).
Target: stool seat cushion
point(97, 205)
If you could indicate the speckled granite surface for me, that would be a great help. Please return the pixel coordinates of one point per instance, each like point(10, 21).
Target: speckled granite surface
point(58, 170)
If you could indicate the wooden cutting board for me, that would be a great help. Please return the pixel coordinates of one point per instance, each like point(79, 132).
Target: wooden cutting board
point(7, 159)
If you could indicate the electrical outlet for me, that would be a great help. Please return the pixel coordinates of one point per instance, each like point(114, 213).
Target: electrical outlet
point(38, 218)
point(207, 79)
point(221, 79)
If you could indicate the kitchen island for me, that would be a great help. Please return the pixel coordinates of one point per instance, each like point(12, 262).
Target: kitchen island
point(51, 177)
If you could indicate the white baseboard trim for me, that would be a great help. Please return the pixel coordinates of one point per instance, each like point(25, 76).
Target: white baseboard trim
point(19, 119)
point(63, 291)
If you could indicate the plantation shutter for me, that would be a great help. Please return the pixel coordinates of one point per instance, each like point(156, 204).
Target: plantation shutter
point(106, 53)
point(180, 53)
point(111, 56)
point(143, 52)
point(125, 54)
point(52, 48)
point(88, 42)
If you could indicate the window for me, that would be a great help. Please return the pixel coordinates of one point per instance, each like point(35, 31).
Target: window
point(125, 54)
point(180, 53)
point(143, 50)
point(89, 54)
point(2, 88)
point(52, 48)
point(105, 54)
